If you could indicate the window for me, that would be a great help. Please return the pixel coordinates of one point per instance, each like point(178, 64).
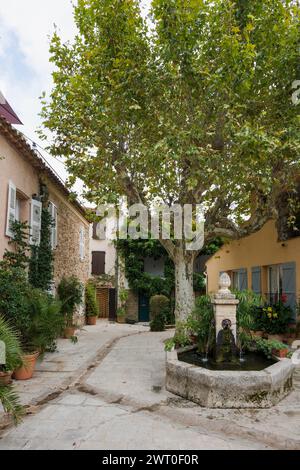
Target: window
point(239, 279)
point(53, 235)
point(256, 280)
point(35, 222)
point(98, 262)
point(282, 284)
point(82, 243)
point(11, 208)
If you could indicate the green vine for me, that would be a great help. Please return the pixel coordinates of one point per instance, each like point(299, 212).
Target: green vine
point(41, 262)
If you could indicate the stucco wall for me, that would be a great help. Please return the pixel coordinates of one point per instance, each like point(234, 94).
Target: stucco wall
point(259, 249)
point(110, 253)
point(16, 168)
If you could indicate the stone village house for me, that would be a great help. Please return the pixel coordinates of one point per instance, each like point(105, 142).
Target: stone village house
point(22, 174)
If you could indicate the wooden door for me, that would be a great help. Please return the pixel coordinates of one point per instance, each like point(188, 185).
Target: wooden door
point(103, 302)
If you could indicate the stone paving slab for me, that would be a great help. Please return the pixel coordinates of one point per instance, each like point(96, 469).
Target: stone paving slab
point(60, 369)
point(120, 402)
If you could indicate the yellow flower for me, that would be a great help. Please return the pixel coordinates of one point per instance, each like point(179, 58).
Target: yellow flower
point(270, 315)
point(270, 309)
point(275, 315)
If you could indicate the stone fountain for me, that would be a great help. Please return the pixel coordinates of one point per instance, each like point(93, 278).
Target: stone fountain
point(234, 387)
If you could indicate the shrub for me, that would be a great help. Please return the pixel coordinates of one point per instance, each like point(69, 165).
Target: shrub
point(46, 321)
point(248, 303)
point(200, 322)
point(180, 339)
point(266, 346)
point(159, 304)
point(158, 322)
point(273, 319)
point(13, 351)
point(70, 293)
point(91, 305)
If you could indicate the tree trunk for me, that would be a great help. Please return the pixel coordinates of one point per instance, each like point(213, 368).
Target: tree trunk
point(184, 285)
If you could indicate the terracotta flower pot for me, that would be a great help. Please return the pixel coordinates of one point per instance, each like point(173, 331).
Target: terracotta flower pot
point(69, 331)
point(5, 378)
point(276, 337)
point(91, 320)
point(121, 319)
point(26, 371)
point(280, 352)
point(258, 333)
point(194, 339)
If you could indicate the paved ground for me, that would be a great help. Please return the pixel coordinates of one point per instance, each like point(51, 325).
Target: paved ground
point(119, 402)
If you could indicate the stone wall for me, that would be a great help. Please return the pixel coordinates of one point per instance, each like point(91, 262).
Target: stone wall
point(132, 306)
point(67, 260)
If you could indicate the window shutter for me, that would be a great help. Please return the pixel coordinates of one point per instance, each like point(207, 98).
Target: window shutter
point(11, 208)
point(81, 243)
point(289, 284)
point(95, 236)
point(98, 262)
point(35, 222)
point(256, 280)
point(243, 279)
point(53, 213)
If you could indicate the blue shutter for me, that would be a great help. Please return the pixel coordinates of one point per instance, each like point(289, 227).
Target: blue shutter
point(243, 279)
point(289, 284)
point(256, 280)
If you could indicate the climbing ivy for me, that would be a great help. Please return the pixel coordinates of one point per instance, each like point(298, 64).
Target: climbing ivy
point(135, 251)
point(41, 262)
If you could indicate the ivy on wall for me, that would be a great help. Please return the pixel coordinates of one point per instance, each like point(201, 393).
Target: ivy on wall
point(135, 251)
point(41, 262)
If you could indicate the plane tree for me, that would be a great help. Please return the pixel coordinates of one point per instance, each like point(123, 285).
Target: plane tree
point(190, 105)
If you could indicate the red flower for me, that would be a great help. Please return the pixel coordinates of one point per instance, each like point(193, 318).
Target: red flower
point(283, 298)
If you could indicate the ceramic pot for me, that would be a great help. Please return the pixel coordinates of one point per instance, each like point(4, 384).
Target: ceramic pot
point(26, 371)
point(5, 378)
point(69, 331)
point(91, 320)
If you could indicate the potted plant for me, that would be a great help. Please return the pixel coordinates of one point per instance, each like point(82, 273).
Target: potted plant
point(91, 306)
point(121, 311)
point(39, 334)
point(13, 353)
point(70, 293)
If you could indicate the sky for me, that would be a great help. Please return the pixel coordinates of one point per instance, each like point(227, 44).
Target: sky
point(25, 71)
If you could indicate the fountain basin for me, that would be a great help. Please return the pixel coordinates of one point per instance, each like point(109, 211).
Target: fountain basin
point(228, 388)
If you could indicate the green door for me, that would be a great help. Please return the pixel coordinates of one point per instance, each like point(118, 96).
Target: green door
point(143, 308)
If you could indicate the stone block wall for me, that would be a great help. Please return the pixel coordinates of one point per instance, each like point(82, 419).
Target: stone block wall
point(67, 260)
point(132, 306)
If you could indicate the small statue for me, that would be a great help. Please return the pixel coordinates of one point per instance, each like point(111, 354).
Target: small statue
point(226, 348)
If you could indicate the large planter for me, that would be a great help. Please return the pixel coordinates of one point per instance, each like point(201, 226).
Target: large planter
point(69, 332)
point(280, 352)
point(121, 319)
point(5, 378)
point(276, 337)
point(26, 371)
point(91, 321)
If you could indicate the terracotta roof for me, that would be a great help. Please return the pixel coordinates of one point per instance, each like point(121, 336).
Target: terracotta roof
point(17, 140)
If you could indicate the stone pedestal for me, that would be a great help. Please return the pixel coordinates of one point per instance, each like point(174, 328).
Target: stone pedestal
point(225, 305)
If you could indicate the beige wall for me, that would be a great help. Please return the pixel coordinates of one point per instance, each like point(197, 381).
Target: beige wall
point(260, 249)
point(17, 169)
point(67, 262)
point(110, 253)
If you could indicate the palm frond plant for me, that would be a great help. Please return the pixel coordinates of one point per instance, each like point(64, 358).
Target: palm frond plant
point(13, 359)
